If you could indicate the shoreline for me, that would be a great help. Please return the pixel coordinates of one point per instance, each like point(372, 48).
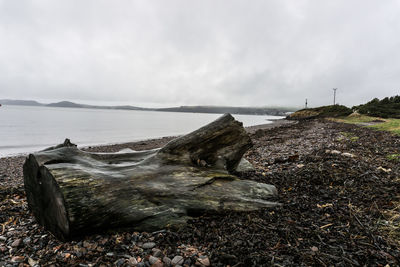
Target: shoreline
point(151, 143)
point(158, 142)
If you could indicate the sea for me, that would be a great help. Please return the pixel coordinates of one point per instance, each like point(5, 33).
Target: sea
point(26, 129)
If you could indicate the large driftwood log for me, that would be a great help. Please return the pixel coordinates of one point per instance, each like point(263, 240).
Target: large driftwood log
point(72, 192)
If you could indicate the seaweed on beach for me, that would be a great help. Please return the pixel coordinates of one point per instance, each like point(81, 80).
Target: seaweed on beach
point(338, 186)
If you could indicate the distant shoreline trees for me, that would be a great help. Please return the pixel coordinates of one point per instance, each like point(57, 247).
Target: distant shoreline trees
point(388, 107)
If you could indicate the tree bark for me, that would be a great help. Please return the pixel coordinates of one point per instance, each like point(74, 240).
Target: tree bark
point(72, 192)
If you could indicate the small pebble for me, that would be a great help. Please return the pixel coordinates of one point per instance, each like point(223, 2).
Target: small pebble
point(153, 259)
point(86, 244)
point(346, 154)
point(187, 262)
point(203, 261)
point(157, 253)
point(167, 261)
point(148, 245)
point(158, 264)
point(16, 243)
point(32, 262)
point(177, 260)
point(119, 262)
point(132, 261)
point(18, 259)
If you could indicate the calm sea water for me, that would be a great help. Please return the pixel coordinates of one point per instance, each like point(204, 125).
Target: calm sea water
point(26, 129)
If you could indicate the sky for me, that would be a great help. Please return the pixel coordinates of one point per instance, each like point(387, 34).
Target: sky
point(159, 53)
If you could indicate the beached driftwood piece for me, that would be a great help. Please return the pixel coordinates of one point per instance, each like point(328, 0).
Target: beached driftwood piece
point(72, 192)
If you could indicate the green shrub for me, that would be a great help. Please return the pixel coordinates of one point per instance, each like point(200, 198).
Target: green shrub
point(389, 107)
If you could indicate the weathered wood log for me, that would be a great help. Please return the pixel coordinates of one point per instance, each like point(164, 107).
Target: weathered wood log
point(72, 192)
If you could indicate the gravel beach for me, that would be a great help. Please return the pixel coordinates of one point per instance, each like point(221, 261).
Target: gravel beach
point(338, 183)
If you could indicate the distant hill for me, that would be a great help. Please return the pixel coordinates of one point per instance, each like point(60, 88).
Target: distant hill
point(65, 104)
point(68, 104)
point(232, 110)
point(20, 102)
point(193, 109)
point(389, 107)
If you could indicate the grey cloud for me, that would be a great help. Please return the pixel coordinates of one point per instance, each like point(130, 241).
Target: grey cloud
point(165, 53)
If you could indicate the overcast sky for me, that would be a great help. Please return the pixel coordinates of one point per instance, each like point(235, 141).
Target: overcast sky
point(217, 52)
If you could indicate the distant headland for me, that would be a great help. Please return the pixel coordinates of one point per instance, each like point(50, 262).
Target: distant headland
point(275, 111)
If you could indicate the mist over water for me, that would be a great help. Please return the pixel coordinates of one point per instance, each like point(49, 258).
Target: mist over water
point(25, 129)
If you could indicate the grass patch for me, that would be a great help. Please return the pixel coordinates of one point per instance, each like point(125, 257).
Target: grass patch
point(356, 118)
point(394, 157)
point(391, 125)
point(347, 135)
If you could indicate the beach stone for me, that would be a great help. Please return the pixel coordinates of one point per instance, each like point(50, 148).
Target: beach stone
point(132, 261)
point(202, 163)
point(157, 253)
point(177, 260)
point(119, 262)
point(18, 259)
point(158, 264)
point(3, 238)
point(148, 245)
point(16, 243)
point(187, 262)
point(153, 259)
point(229, 257)
point(83, 251)
point(32, 262)
point(167, 261)
point(203, 261)
point(27, 240)
point(244, 165)
point(346, 154)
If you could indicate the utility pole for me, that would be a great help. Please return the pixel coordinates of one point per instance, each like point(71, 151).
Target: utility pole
point(306, 102)
point(334, 96)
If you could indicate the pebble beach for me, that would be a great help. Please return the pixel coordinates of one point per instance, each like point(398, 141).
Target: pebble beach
point(337, 184)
